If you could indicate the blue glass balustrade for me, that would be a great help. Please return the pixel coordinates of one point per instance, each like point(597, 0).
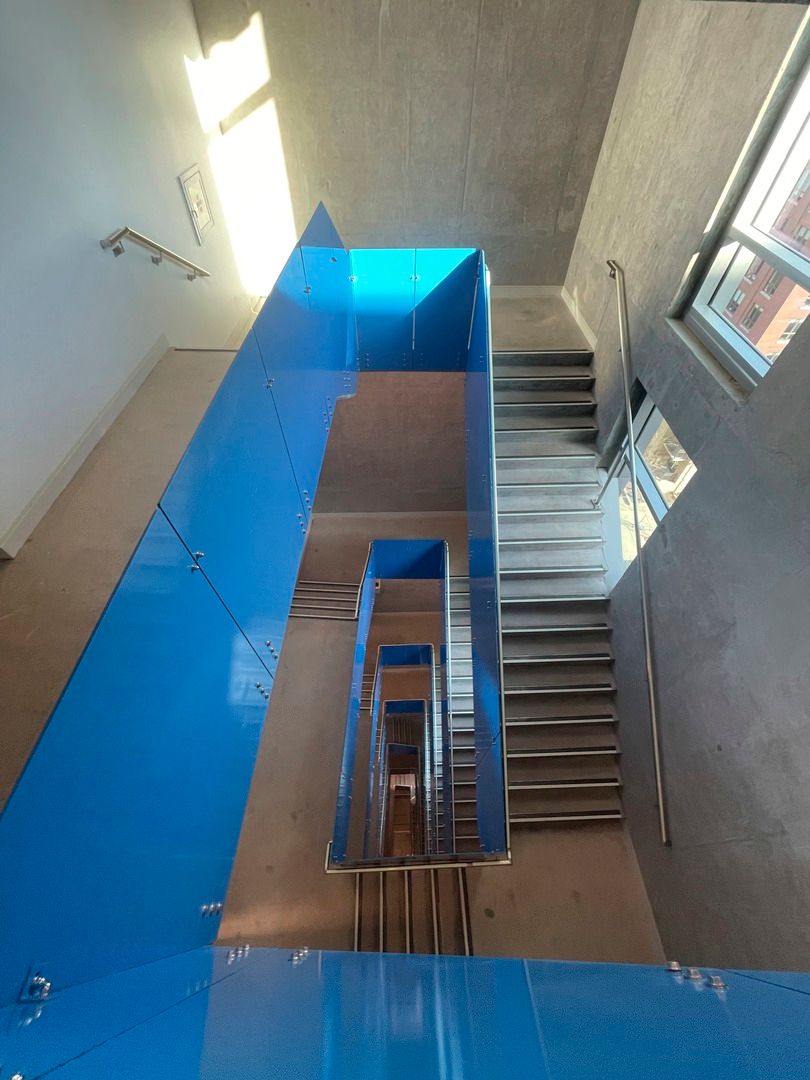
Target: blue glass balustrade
point(117, 843)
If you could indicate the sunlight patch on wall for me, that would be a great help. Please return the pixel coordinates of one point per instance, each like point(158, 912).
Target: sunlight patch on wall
point(234, 70)
point(251, 176)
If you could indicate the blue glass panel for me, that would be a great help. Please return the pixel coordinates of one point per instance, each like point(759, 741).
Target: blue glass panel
point(234, 498)
point(409, 558)
point(321, 231)
point(384, 304)
point(330, 337)
point(38, 1036)
point(615, 1021)
point(286, 333)
point(341, 1016)
point(445, 289)
point(126, 818)
point(484, 614)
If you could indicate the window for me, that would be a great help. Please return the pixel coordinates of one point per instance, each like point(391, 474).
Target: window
point(765, 253)
point(772, 284)
point(735, 301)
point(663, 469)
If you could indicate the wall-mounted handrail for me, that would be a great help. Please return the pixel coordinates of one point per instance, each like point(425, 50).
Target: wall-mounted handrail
point(116, 241)
point(617, 274)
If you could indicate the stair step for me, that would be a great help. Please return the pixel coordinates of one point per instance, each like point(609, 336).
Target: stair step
point(559, 721)
point(543, 377)
point(549, 571)
point(530, 405)
point(562, 525)
point(565, 785)
point(539, 422)
point(523, 359)
point(533, 512)
point(555, 706)
point(550, 542)
point(547, 485)
point(538, 691)
point(550, 561)
point(573, 628)
point(564, 598)
point(566, 752)
point(575, 658)
point(513, 499)
point(553, 817)
point(548, 589)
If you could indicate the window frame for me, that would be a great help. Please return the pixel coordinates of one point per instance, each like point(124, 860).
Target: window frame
point(786, 156)
point(646, 421)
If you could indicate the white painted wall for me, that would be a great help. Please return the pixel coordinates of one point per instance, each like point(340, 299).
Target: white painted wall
point(97, 120)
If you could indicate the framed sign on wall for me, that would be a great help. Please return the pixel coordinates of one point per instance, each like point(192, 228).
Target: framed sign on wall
point(199, 208)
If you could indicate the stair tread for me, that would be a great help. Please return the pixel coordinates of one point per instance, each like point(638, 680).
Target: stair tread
point(569, 815)
point(551, 785)
point(542, 371)
point(559, 721)
point(566, 751)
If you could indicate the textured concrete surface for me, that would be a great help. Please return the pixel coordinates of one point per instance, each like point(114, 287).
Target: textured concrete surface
point(570, 894)
point(534, 323)
point(460, 123)
point(728, 567)
point(279, 894)
point(53, 593)
point(397, 446)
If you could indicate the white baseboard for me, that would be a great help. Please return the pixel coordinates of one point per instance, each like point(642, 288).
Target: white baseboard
point(525, 292)
point(25, 523)
point(572, 305)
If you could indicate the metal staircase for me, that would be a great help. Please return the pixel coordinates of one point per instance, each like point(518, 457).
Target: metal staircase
point(465, 821)
point(562, 748)
point(561, 744)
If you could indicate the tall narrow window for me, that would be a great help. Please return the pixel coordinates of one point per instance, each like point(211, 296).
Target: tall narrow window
point(756, 293)
point(663, 469)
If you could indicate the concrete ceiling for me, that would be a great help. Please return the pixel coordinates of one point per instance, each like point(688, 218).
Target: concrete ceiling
point(440, 122)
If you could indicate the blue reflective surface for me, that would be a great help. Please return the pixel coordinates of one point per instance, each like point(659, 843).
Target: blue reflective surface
point(234, 498)
point(347, 1015)
point(297, 382)
point(443, 302)
point(384, 306)
point(126, 818)
point(483, 547)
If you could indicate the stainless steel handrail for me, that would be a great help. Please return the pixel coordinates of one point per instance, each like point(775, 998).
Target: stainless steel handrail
point(617, 274)
point(362, 581)
point(116, 241)
point(497, 545)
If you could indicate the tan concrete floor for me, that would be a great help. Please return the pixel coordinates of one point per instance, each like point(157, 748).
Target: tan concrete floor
point(53, 592)
point(534, 323)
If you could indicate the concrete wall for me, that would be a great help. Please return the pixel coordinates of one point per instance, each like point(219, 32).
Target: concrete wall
point(424, 123)
point(728, 567)
point(97, 121)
